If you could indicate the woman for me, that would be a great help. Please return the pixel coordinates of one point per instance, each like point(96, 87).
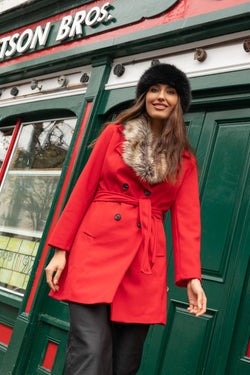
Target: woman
point(110, 258)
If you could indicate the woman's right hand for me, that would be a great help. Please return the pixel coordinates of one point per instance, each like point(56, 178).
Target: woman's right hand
point(54, 269)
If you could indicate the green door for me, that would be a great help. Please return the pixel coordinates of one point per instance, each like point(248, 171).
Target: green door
point(217, 342)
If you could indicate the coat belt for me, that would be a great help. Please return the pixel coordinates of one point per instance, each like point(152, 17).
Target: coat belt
point(146, 211)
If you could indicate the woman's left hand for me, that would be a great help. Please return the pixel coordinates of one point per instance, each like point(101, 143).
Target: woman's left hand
point(197, 298)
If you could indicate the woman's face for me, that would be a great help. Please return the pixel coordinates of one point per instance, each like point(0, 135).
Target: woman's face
point(160, 101)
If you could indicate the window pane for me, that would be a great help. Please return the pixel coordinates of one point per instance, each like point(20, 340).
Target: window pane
point(5, 138)
point(26, 195)
point(25, 202)
point(43, 145)
point(17, 257)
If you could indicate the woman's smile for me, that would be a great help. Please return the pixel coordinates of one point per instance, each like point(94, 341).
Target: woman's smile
point(160, 101)
point(160, 106)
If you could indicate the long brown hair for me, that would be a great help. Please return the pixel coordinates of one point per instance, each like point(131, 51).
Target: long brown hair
point(174, 138)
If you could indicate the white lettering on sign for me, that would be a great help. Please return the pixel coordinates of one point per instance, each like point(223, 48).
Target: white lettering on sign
point(12, 45)
point(64, 30)
point(41, 36)
point(4, 42)
point(76, 28)
point(70, 26)
point(22, 42)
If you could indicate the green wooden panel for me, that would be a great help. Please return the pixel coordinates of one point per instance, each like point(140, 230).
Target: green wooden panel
point(15, 346)
point(238, 363)
point(185, 333)
point(3, 349)
point(42, 110)
point(8, 314)
point(228, 152)
point(222, 154)
point(188, 345)
point(46, 334)
point(194, 120)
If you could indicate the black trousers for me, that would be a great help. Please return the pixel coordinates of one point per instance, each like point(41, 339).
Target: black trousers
point(97, 346)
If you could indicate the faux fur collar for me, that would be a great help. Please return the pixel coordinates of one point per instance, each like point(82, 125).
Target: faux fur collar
point(139, 151)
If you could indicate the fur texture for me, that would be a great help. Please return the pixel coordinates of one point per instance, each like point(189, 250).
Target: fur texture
point(139, 151)
point(169, 75)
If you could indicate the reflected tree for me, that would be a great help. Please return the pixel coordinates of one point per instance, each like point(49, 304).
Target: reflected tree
point(26, 198)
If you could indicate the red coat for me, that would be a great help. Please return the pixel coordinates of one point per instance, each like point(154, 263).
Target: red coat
point(112, 226)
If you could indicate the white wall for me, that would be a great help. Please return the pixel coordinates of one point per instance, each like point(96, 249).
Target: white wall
point(6, 5)
point(224, 54)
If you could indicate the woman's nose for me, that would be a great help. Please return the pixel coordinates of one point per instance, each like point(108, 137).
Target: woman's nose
point(161, 95)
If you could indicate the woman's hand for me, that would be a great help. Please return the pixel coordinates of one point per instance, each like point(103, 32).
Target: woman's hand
point(197, 298)
point(55, 266)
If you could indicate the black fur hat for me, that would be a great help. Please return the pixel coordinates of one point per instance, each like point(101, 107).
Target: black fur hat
point(169, 75)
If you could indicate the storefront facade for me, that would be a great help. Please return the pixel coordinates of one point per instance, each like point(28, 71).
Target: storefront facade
point(66, 68)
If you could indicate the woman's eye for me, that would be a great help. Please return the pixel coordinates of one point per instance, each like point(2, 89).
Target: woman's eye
point(154, 89)
point(171, 92)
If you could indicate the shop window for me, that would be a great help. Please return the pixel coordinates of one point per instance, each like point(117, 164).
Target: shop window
point(26, 194)
point(5, 138)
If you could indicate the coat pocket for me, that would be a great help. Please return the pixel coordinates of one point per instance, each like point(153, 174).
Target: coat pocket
point(87, 235)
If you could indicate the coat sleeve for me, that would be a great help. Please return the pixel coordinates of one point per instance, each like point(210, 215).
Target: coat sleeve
point(186, 228)
point(65, 230)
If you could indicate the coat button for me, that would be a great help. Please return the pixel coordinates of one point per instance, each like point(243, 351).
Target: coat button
point(125, 186)
point(139, 225)
point(118, 217)
point(147, 192)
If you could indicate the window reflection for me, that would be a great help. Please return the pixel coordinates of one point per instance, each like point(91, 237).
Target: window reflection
point(5, 138)
point(43, 145)
point(26, 195)
point(25, 202)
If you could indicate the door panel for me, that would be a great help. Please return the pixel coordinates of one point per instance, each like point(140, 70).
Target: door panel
point(185, 329)
point(223, 155)
point(189, 345)
point(239, 362)
point(220, 188)
point(194, 121)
